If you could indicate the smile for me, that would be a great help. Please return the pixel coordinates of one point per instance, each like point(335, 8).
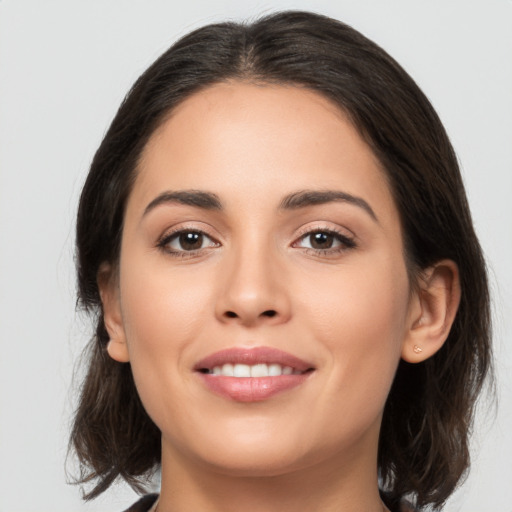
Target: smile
point(257, 370)
point(252, 374)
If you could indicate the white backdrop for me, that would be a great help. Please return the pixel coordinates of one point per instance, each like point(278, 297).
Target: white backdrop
point(65, 65)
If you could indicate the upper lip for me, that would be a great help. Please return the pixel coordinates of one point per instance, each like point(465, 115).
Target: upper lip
point(252, 356)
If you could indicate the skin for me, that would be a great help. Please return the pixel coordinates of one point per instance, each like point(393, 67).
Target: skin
point(350, 310)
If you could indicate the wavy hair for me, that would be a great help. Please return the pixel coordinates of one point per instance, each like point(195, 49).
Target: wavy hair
point(423, 446)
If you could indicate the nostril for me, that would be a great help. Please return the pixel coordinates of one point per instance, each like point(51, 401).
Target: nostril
point(270, 313)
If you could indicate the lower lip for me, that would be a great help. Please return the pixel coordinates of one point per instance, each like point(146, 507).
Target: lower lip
point(252, 389)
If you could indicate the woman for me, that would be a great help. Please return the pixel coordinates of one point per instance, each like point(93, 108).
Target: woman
point(292, 305)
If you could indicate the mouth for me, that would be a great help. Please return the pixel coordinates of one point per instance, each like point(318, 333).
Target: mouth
point(252, 374)
point(256, 370)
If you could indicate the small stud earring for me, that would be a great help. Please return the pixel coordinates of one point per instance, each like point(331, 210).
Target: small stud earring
point(417, 350)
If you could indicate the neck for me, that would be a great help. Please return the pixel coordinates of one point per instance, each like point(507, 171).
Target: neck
point(329, 486)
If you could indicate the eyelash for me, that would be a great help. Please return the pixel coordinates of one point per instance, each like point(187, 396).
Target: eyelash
point(169, 237)
point(346, 243)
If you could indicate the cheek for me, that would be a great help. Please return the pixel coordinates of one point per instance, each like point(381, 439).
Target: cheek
point(358, 314)
point(160, 308)
point(161, 321)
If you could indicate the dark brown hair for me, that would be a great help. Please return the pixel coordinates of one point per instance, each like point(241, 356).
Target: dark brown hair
point(423, 450)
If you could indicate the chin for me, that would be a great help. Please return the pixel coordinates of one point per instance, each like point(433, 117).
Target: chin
point(256, 464)
point(257, 453)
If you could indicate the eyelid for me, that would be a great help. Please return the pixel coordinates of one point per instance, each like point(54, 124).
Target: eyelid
point(168, 235)
point(323, 226)
point(346, 238)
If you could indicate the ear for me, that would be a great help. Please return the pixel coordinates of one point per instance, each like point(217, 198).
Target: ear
point(108, 285)
point(432, 311)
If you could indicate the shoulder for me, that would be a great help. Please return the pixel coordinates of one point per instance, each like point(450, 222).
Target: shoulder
point(144, 504)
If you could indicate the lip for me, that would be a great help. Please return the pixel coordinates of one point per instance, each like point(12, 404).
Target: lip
point(252, 356)
point(252, 389)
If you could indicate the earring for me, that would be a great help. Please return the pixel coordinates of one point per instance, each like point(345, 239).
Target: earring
point(417, 350)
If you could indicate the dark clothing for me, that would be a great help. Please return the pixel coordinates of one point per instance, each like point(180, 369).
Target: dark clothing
point(144, 504)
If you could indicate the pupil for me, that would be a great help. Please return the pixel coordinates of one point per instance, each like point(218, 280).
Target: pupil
point(191, 241)
point(321, 241)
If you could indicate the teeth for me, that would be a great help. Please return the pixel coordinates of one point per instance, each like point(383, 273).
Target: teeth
point(226, 370)
point(241, 370)
point(256, 370)
point(274, 370)
point(259, 370)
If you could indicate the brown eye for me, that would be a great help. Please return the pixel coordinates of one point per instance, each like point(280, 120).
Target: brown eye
point(187, 241)
point(321, 240)
point(190, 241)
point(325, 241)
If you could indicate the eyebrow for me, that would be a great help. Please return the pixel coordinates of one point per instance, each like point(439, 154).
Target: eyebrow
point(294, 201)
point(304, 198)
point(197, 198)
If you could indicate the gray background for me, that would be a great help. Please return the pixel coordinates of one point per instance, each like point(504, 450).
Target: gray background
point(64, 68)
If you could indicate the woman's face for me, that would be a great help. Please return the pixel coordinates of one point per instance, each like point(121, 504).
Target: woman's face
point(261, 234)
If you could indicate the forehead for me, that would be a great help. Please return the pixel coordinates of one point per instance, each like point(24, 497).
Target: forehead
point(254, 142)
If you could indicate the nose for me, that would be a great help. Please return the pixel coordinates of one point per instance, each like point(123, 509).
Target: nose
point(253, 289)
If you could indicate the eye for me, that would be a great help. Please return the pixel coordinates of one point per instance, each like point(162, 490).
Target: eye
point(186, 241)
point(325, 241)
